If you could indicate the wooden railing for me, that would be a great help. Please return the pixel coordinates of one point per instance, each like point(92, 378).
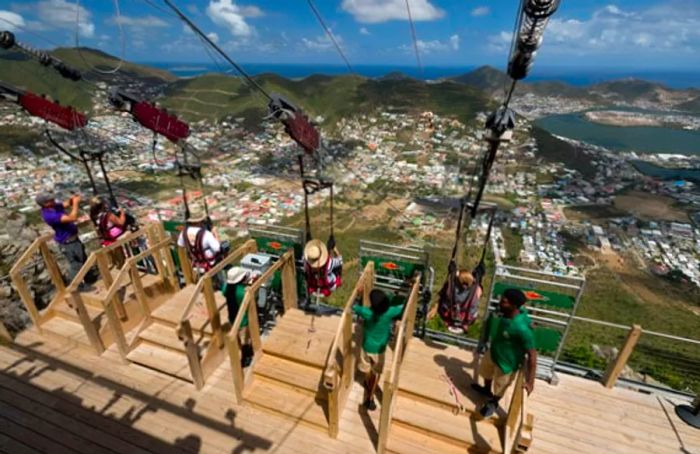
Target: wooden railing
point(202, 365)
point(404, 336)
point(287, 265)
point(517, 415)
point(39, 245)
point(340, 362)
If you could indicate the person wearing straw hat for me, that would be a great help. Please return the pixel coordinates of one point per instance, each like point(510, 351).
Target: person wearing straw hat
point(201, 244)
point(237, 280)
point(322, 271)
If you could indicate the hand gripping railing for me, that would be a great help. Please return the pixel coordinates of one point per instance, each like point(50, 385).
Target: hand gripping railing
point(391, 383)
point(338, 372)
point(287, 266)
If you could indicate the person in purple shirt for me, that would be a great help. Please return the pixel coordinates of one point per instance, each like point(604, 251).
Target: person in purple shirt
point(61, 217)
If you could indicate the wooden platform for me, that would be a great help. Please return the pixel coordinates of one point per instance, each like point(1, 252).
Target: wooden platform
point(62, 320)
point(56, 398)
point(291, 365)
point(427, 417)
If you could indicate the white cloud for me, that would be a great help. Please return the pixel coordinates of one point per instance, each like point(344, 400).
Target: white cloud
point(10, 21)
point(500, 42)
point(481, 11)
point(364, 31)
point(213, 36)
point(454, 42)
point(321, 43)
point(375, 11)
point(433, 46)
point(140, 22)
point(610, 30)
point(61, 14)
point(232, 16)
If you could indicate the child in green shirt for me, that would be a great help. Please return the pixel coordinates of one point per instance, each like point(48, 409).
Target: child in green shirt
point(377, 323)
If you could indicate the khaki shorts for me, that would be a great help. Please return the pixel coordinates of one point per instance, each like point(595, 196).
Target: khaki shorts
point(373, 362)
point(490, 371)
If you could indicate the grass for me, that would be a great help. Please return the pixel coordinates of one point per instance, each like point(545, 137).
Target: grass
point(556, 150)
point(11, 137)
point(513, 244)
point(608, 297)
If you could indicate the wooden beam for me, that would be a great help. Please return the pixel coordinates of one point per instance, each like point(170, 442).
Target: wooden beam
point(52, 267)
point(26, 297)
point(116, 327)
point(234, 356)
point(289, 285)
point(368, 283)
point(385, 416)
point(140, 293)
point(89, 327)
point(4, 333)
point(214, 317)
point(615, 367)
point(333, 403)
point(185, 265)
point(185, 333)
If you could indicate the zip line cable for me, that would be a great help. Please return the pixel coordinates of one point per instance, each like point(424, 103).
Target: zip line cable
point(121, 34)
point(330, 34)
point(199, 32)
point(414, 37)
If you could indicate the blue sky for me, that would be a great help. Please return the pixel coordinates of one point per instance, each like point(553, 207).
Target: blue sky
point(641, 34)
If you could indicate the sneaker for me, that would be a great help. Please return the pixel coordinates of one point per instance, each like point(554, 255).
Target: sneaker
point(483, 390)
point(455, 329)
point(370, 405)
point(488, 409)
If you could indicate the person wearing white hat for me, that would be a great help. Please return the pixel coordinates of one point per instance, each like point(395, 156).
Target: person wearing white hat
point(237, 280)
point(323, 271)
point(202, 246)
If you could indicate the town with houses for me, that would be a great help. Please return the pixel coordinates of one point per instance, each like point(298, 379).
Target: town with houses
point(252, 178)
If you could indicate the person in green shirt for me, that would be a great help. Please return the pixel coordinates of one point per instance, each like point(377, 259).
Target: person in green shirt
point(377, 321)
point(234, 289)
point(513, 340)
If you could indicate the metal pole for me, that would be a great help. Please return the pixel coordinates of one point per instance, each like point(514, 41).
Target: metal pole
point(89, 173)
point(112, 199)
point(568, 326)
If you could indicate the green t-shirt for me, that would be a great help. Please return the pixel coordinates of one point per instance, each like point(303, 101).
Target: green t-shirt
point(240, 294)
point(376, 329)
point(511, 340)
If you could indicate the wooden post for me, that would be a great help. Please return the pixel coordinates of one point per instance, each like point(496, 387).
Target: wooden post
point(334, 408)
point(140, 293)
point(152, 235)
point(513, 419)
point(103, 266)
point(89, 327)
point(185, 265)
point(4, 333)
point(253, 325)
point(26, 296)
point(385, 416)
point(367, 283)
point(214, 317)
point(615, 367)
point(170, 264)
point(289, 284)
point(234, 356)
point(52, 267)
point(117, 331)
point(185, 333)
point(348, 356)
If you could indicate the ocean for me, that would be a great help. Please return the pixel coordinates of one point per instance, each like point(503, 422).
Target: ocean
point(673, 79)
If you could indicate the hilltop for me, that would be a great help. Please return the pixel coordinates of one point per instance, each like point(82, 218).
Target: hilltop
point(24, 72)
point(213, 96)
point(625, 91)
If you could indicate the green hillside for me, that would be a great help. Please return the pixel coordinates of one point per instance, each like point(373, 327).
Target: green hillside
point(24, 72)
point(214, 96)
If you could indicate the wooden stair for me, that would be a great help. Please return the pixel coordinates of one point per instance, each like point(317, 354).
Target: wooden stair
point(425, 416)
point(158, 346)
point(62, 320)
point(287, 378)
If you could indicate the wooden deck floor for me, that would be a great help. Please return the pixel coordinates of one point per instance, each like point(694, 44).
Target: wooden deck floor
point(56, 398)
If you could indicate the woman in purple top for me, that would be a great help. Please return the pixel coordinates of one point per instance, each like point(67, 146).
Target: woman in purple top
point(65, 230)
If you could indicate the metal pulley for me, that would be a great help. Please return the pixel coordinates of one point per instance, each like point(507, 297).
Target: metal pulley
point(500, 125)
point(296, 123)
point(533, 19)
